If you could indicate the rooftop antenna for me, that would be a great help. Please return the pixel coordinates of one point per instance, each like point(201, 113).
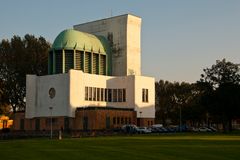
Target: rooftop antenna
point(111, 13)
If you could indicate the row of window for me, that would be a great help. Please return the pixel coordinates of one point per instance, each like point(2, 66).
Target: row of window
point(110, 95)
point(115, 120)
point(121, 120)
point(48, 121)
point(88, 62)
point(105, 94)
point(150, 123)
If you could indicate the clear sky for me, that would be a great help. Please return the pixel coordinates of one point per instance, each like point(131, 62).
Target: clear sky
point(179, 37)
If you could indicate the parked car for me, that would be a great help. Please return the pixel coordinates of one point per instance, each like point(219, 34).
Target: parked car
point(171, 129)
point(154, 130)
point(193, 129)
point(213, 129)
point(204, 129)
point(143, 130)
point(157, 129)
point(157, 125)
point(130, 128)
point(163, 130)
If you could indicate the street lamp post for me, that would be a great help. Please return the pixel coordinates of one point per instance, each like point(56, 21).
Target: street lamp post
point(180, 117)
point(180, 111)
point(52, 93)
point(51, 134)
point(83, 118)
point(140, 118)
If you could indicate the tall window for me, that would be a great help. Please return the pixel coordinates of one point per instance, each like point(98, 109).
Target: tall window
point(94, 94)
point(68, 60)
point(95, 63)
point(126, 120)
point(87, 68)
point(122, 120)
point(102, 94)
point(145, 95)
point(102, 64)
point(109, 95)
point(124, 95)
point(114, 120)
point(90, 94)
point(118, 120)
point(98, 94)
point(79, 60)
point(119, 95)
point(86, 93)
point(115, 95)
point(58, 60)
point(106, 94)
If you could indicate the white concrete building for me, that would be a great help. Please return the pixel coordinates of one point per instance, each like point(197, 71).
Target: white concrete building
point(77, 89)
point(95, 65)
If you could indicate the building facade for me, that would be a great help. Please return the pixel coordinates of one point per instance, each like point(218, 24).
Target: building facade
point(94, 80)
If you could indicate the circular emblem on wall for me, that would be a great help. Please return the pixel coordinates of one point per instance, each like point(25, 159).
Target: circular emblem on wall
point(52, 93)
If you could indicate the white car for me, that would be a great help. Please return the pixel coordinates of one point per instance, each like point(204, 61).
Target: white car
point(204, 129)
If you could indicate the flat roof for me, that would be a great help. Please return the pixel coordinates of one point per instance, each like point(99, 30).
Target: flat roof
point(128, 14)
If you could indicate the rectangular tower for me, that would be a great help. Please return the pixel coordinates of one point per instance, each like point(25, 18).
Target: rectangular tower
point(124, 34)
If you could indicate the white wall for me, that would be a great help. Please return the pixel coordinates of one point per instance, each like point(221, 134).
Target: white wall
point(31, 95)
point(147, 109)
point(38, 100)
point(70, 93)
point(80, 80)
point(133, 45)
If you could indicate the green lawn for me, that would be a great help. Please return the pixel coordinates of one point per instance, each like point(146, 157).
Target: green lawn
point(165, 147)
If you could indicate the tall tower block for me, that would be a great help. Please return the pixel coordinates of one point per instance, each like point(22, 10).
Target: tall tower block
point(123, 32)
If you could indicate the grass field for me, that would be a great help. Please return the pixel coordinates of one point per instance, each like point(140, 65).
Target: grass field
point(162, 147)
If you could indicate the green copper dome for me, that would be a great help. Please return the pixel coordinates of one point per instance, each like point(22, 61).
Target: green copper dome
point(73, 49)
point(73, 39)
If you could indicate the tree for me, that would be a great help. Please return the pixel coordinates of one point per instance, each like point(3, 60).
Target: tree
point(164, 101)
point(224, 100)
point(19, 57)
point(222, 72)
point(170, 97)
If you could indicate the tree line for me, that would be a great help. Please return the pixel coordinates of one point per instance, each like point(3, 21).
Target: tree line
point(215, 98)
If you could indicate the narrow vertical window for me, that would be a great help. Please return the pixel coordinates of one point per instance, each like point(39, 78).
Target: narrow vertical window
point(118, 120)
point(98, 94)
point(109, 95)
point(115, 95)
point(68, 60)
point(114, 120)
point(126, 120)
point(120, 95)
point(90, 94)
point(102, 94)
point(124, 95)
point(94, 94)
point(86, 93)
point(88, 64)
point(145, 95)
point(106, 95)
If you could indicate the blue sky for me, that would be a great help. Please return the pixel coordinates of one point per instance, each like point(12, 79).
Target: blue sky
point(179, 37)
